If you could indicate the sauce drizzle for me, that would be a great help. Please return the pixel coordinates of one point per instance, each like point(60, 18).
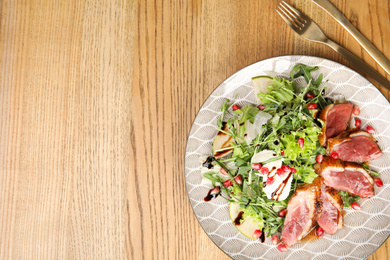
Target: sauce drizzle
point(281, 187)
point(262, 237)
point(237, 220)
point(212, 194)
point(208, 163)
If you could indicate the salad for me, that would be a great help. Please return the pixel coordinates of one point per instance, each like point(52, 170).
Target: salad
point(262, 153)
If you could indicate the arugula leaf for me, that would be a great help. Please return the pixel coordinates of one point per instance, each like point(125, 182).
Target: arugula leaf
point(224, 109)
point(348, 199)
point(303, 70)
point(213, 177)
point(247, 113)
point(376, 174)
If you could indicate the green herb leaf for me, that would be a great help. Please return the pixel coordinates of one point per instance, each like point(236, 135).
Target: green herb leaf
point(281, 91)
point(348, 199)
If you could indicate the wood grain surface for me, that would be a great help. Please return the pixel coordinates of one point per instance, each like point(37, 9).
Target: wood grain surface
point(96, 102)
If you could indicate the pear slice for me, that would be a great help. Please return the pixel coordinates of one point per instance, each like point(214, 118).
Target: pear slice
point(248, 227)
point(222, 141)
point(260, 83)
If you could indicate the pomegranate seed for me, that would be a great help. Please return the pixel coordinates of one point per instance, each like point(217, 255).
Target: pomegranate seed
point(282, 152)
point(293, 170)
point(261, 107)
point(309, 95)
point(370, 130)
point(235, 107)
point(257, 234)
point(334, 155)
point(279, 172)
point(275, 239)
point(264, 170)
point(319, 158)
point(301, 142)
point(238, 179)
point(358, 122)
point(356, 206)
point(378, 182)
point(282, 248)
point(356, 111)
point(223, 171)
point(256, 166)
point(214, 191)
point(227, 183)
point(270, 180)
point(282, 213)
point(319, 232)
point(311, 106)
point(286, 169)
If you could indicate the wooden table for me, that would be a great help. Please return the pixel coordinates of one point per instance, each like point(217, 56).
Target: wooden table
point(96, 102)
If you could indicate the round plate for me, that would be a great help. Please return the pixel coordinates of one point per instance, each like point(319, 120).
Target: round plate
point(363, 232)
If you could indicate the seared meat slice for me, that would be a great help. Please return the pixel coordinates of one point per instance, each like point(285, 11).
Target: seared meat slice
point(346, 176)
point(331, 218)
point(336, 118)
point(302, 211)
point(355, 146)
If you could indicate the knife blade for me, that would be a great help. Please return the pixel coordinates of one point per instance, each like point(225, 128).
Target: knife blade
point(367, 45)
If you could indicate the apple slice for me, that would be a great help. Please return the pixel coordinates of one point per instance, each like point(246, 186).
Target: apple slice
point(260, 83)
point(248, 227)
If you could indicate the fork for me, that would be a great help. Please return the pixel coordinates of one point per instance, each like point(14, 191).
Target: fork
point(309, 30)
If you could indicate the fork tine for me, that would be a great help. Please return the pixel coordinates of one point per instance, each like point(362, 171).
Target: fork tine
point(297, 14)
point(290, 16)
point(284, 16)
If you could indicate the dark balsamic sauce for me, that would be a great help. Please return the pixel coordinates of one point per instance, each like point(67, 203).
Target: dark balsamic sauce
point(284, 185)
point(281, 188)
point(317, 122)
point(208, 163)
point(212, 194)
point(262, 237)
point(238, 219)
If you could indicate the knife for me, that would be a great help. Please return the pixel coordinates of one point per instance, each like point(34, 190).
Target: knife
point(367, 45)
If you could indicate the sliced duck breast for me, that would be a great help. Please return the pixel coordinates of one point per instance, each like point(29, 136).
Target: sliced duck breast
point(346, 176)
point(331, 218)
point(336, 118)
point(354, 146)
point(302, 211)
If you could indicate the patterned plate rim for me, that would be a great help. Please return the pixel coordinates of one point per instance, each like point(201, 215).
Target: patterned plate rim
point(287, 57)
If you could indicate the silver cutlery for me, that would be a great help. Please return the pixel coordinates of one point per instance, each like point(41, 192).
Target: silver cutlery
point(309, 30)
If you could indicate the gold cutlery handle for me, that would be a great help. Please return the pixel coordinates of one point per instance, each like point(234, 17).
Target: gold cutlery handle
point(367, 45)
point(359, 64)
